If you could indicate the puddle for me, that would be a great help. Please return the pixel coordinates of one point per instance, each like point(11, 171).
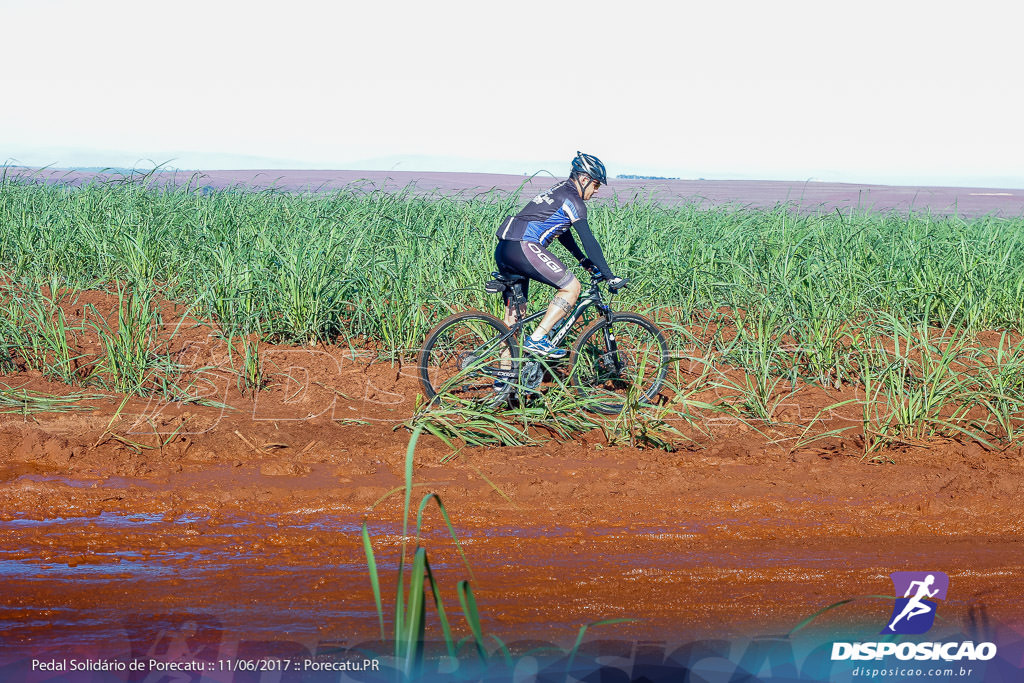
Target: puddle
point(345, 524)
point(46, 571)
point(251, 549)
point(114, 520)
point(313, 479)
point(75, 579)
point(52, 478)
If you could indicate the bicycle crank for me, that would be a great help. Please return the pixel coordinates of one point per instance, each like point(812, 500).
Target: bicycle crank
point(533, 374)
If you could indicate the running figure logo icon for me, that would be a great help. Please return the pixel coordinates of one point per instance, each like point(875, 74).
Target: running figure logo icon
point(915, 613)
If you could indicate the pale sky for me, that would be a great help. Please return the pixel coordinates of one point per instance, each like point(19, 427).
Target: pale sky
point(888, 92)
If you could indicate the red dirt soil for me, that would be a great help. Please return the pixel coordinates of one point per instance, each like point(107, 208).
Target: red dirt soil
point(249, 517)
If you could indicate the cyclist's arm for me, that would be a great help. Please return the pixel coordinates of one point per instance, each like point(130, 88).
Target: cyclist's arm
point(591, 246)
point(570, 244)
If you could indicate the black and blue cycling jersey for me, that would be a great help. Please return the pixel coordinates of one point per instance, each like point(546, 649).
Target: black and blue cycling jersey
point(550, 215)
point(546, 216)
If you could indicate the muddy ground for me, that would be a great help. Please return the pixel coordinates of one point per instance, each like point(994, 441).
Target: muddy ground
point(245, 520)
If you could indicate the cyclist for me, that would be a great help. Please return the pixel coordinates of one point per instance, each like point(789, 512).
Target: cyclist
point(523, 248)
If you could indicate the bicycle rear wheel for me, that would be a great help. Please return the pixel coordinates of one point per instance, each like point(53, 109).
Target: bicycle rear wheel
point(615, 362)
point(463, 357)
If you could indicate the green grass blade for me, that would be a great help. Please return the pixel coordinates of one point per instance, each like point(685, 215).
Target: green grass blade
point(583, 631)
point(371, 564)
point(409, 649)
point(439, 606)
point(469, 609)
point(448, 523)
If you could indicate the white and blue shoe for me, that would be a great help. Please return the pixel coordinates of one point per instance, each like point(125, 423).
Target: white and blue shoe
point(543, 347)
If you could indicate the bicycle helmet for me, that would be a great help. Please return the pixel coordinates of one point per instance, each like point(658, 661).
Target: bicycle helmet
point(590, 165)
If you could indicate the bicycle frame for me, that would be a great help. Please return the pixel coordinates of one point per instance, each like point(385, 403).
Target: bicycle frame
point(591, 298)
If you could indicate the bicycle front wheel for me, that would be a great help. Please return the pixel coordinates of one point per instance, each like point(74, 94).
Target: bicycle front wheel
point(463, 357)
point(618, 361)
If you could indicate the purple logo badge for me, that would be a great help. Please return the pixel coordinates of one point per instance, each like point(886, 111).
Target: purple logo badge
point(914, 612)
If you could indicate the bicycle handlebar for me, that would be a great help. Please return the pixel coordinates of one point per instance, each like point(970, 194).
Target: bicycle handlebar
point(598, 278)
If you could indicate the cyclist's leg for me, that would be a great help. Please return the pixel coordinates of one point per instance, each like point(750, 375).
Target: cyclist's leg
point(512, 316)
point(537, 263)
point(560, 306)
point(506, 256)
point(551, 271)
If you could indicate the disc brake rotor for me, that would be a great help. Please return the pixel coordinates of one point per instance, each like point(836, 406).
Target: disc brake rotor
point(606, 361)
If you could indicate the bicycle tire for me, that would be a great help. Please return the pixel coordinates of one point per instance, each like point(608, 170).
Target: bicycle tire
point(592, 368)
point(445, 362)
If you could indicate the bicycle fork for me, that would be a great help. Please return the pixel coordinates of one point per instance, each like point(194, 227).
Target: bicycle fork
point(612, 357)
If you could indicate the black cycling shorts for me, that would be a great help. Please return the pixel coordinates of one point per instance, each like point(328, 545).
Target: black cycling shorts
point(533, 261)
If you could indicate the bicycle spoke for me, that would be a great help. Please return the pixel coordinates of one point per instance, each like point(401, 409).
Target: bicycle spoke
point(464, 356)
point(625, 361)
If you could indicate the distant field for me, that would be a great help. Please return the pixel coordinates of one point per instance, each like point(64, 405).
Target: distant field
point(806, 195)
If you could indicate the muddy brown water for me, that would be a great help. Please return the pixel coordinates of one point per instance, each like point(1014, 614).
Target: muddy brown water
point(74, 581)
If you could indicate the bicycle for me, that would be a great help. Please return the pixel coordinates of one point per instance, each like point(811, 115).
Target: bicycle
point(475, 356)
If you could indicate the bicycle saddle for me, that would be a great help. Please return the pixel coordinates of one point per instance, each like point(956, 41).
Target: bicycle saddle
point(501, 282)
